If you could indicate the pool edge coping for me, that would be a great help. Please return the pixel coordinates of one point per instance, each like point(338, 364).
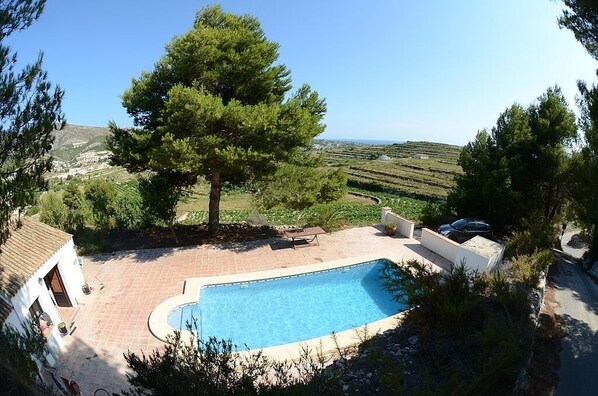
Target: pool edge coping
point(160, 329)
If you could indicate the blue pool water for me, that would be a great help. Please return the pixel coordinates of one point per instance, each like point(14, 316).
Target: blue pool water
point(279, 311)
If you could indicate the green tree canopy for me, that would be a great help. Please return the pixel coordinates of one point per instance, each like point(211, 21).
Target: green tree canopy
point(584, 173)
point(518, 172)
point(300, 184)
point(581, 17)
point(29, 110)
point(216, 105)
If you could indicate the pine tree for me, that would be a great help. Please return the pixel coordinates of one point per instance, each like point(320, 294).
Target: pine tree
point(30, 108)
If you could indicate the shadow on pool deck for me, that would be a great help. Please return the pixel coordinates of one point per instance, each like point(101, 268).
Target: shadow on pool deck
point(429, 255)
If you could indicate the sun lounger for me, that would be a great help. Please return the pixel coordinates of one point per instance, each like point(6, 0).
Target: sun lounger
point(304, 236)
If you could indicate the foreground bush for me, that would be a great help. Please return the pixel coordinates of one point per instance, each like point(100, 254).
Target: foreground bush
point(19, 351)
point(474, 328)
point(213, 367)
point(527, 268)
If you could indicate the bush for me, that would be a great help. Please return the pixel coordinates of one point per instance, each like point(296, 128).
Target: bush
point(473, 326)
point(213, 367)
point(127, 213)
point(327, 217)
point(435, 214)
point(79, 211)
point(20, 349)
point(527, 268)
point(52, 210)
point(257, 219)
point(537, 236)
point(101, 195)
point(452, 300)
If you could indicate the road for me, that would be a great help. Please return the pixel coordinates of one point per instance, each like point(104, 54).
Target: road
point(576, 296)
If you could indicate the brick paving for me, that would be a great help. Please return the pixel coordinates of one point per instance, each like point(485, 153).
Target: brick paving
point(127, 286)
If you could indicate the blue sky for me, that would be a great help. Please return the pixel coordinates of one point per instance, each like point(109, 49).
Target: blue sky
point(390, 70)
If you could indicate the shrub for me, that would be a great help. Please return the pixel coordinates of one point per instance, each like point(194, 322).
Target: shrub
point(79, 212)
point(536, 236)
point(101, 195)
point(527, 268)
point(434, 214)
point(20, 349)
point(257, 219)
point(474, 327)
point(52, 210)
point(127, 213)
point(212, 367)
point(452, 300)
point(327, 217)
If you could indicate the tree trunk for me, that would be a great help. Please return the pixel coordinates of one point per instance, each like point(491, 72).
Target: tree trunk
point(215, 190)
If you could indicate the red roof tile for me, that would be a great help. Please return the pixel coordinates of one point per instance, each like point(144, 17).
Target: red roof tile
point(27, 248)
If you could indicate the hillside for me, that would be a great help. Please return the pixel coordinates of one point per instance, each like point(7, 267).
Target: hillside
point(75, 139)
point(422, 170)
point(75, 134)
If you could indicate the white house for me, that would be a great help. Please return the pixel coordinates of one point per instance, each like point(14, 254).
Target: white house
point(39, 271)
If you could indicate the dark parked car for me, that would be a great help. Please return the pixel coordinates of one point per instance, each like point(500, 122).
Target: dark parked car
point(465, 229)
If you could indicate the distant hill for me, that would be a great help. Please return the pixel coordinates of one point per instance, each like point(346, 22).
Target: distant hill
point(77, 134)
point(75, 139)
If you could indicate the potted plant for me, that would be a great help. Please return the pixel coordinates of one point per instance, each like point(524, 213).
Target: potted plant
point(391, 228)
point(62, 328)
point(86, 289)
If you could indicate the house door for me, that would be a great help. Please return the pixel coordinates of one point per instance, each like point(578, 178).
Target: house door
point(54, 282)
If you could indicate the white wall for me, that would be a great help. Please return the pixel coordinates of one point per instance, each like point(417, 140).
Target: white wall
point(439, 244)
point(471, 260)
point(404, 226)
point(73, 280)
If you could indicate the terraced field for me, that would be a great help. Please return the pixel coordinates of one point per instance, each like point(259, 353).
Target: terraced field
point(417, 169)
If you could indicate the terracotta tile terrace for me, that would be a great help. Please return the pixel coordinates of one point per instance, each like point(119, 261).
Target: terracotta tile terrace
point(127, 286)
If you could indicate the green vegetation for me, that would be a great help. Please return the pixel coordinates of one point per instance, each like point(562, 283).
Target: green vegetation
point(424, 178)
point(350, 213)
point(29, 110)
point(581, 18)
point(70, 153)
point(212, 367)
point(460, 316)
point(527, 268)
point(216, 105)
point(96, 203)
point(517, 175)
point(19, 351)
point(299, 186)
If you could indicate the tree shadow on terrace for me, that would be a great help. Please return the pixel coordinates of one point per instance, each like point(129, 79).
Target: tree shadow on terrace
point(92, 367)
point(150, 243)
point(429, 255)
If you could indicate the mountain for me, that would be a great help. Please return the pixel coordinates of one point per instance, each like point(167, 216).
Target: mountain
point(77, 135)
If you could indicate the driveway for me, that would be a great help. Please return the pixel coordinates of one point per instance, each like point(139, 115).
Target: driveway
point(576, 297)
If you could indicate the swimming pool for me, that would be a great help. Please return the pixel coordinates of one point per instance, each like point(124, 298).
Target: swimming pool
point(275, 311)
